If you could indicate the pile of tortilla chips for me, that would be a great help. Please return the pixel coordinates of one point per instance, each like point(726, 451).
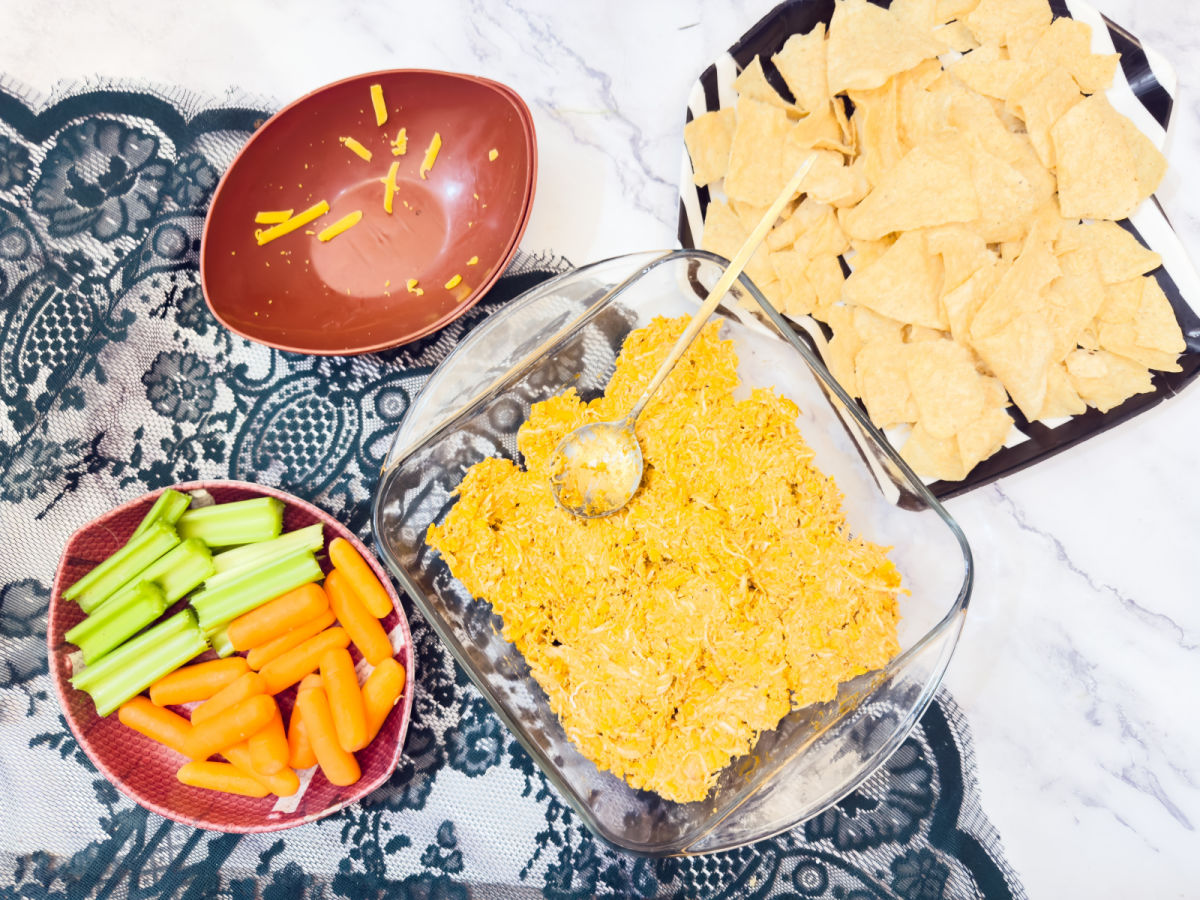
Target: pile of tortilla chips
point(973, 192)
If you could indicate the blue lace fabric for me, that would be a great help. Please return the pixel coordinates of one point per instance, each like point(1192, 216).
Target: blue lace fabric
point(115, 379)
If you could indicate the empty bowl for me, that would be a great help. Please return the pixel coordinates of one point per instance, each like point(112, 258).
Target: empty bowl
point(144, 770)
point(458, 212)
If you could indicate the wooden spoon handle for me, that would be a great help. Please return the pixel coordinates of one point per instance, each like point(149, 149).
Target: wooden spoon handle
point(723, 284)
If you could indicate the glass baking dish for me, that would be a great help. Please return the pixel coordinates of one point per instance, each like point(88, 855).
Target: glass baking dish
point(567, 332)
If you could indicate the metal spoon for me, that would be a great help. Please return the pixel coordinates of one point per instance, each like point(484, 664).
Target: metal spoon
point(596, 469)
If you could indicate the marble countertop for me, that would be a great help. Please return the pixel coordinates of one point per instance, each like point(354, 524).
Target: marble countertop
point(1079, 669)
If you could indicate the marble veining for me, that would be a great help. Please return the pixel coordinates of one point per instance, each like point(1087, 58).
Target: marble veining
point(1079, 668)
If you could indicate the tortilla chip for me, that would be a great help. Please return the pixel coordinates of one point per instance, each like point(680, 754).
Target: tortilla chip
point(877, 125)
point(1068, 43)
point(752, 82)
point(1144, 330)
point(1097, 173)
point(930, 186)
point(956, 36)
point(866, 252)
point(1157, 327)
point(1121, 301)
point(1042, 105)
point(996, 21)
point(754, 174)
point(962, 250)
point(1123, 340)
point(1019, 355)
point(949, 10)
point(903, 284)
point(724, 233)
point(802, 63)
point(1105, 380)
point(1148, 161)
point(830, 180)
point(819, 129)
point(868, 44)
point(961, 304)
point(800, 298)
point(1071, 304)
point(984, 436)
point(945, 385)
point(880, 379)
point(870, 325)
point(923, 111)
point(988, 71)
point(820, 231)
point(1061, 397)
point(708, 138)
point(826, 276)
point(1007, 200)
point(1019, 288)
point(1118, 255)
point(932, 457)
point(921, 15)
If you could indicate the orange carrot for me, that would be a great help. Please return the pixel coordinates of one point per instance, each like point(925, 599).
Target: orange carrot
point(278, 617)
point(233, 726)
point(269, 747)
point(288, 668)
point(260, 656)
point(339, 767)
point(283, 783)
point(362, 579)
point(246, 686)
point(198, 682)
point(300, 752)
point(154, 722)
point(219, 776)
point(345, 699)
point(364, 629)
point(380, 692)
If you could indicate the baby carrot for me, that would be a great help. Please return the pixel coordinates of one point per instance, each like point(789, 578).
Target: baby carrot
point(260, 656)
point(300, 752)
point(364, 629)
point(197, 682)
point(269, 747)
point(285, 670)
point(154, 722)
point(380, 692)
point(219, 776)
point(246, 686)
point(340, 767)
point(363, 581)
point(283, 783)
point(278, 617)
point(233, 726)
point(345, 699)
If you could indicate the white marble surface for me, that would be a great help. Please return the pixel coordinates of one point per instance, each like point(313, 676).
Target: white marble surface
point(1079, 668)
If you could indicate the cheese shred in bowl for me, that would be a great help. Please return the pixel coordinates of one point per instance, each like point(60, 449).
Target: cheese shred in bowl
point(729, 590)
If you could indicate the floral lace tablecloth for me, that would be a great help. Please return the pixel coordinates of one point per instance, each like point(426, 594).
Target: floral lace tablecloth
point(115, 379)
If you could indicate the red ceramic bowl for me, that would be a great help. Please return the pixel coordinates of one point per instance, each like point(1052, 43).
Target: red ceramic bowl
point(349, 295)
point(144, 770)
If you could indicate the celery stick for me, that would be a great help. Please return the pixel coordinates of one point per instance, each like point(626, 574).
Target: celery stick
point(176, 572)
point(117, 620)
point(140, 662)
point(248, 555)
point(220, 642)
point(122, 567)
point(240, 522)
point(167, 508)
point(243, 593)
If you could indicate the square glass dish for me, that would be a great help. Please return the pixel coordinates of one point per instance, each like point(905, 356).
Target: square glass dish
point(565, 333)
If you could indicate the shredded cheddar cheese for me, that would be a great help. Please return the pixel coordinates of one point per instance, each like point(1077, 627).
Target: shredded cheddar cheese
point(377, 102)
point(431, 154)
point(400, 144)
point(492, 154)
point(299, 220)
point(345, 223)
point(730, 590)
point(389, 187)
point(473, 260)
point(272, 216)
point(412, 287)
point(454, 281)
point(359, 149)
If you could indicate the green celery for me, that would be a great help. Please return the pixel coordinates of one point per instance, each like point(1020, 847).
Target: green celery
point(240, 522)
point(169, 506)
point(118, 620)
point(122, 567)
point(176, 572)
point(139, 662)
point(220, 642)
point(247, 556)
point(242, 593)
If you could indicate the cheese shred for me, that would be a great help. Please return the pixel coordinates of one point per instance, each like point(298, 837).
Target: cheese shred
point(389, 187)
point(266, 235)
point(729, 591)
point(272, 216)
point(431, 154)
point(377, 102)
point(345, 223)
point(400, 144)
point(454, 282)
point(357, 148)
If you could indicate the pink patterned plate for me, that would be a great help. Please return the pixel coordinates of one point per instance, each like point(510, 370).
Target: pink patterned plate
point(144, 770)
